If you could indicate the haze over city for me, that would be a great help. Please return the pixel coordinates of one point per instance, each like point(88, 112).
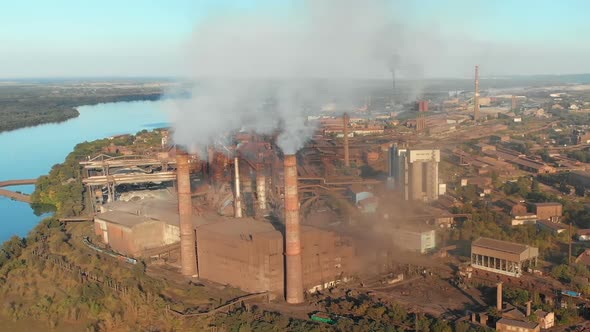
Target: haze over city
point(136, 38)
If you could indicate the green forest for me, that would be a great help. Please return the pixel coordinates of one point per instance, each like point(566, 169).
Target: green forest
point(25, 106)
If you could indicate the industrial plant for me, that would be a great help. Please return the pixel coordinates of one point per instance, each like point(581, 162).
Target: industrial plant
point(311, 165)
point(250, 216)
point(384, 197)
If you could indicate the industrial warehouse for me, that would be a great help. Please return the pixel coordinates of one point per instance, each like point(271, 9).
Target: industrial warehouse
point(502, 257)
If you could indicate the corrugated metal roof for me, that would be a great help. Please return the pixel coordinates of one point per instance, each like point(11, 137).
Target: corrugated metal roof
point(499, 245)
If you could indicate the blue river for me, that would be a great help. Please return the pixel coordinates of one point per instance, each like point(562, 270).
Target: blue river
point(31, 152)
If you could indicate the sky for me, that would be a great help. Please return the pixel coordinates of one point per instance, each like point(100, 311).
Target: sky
point(146, 38)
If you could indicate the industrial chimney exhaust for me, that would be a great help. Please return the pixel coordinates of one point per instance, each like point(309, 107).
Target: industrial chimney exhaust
point(188, 256)
point(294, 279)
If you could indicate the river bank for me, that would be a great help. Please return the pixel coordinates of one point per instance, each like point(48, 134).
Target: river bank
point(28, 104)
point(31, 152)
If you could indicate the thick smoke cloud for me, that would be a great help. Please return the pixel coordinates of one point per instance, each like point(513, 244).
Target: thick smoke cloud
point(257, 71)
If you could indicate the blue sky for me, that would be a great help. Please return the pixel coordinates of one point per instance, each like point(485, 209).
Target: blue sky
point(76, 38)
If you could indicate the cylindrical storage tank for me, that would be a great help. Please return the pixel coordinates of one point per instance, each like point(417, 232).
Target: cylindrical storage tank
point(188, 256)
point(294, 279)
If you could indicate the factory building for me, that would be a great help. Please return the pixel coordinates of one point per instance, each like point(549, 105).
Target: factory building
point(551, 211)
point(253, 255)
point(244, 253)
point(131, 234)
point(509, 325)
point(397, 171)
point(502, 257)
point(247, 254)
point(415, 173)
point(414, 237)
point(133, 227)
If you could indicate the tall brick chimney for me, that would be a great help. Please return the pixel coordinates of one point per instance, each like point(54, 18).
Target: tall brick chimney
point(345, 131)
point(188, 256)
point(261, 187)
point(237, 197)
point(294, 279)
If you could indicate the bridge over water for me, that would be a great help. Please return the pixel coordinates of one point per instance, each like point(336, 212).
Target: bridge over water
point(13, 194)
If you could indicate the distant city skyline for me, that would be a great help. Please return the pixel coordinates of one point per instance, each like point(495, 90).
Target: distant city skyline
point(66, 38)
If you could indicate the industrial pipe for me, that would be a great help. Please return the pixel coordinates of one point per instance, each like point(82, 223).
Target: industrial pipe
point(188, 256)
point(294, 279)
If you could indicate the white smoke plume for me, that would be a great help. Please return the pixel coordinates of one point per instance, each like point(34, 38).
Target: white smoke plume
point(256, 71)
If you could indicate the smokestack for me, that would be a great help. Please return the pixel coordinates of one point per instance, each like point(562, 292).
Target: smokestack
point(393, 85)
point(237, 200)
point(528, 308)
point(218, 168)
point(499, 297)
point(476, 96)
point(210, 162)
point(261, 187)
point(513, 103)
point(294, 279)
point(188, 256)
point(345, 131)
point(393, 64)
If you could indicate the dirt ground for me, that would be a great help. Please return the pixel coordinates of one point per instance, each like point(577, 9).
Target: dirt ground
point(432, 295)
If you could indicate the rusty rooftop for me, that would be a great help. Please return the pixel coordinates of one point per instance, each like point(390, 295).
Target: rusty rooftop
point(230, 226)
